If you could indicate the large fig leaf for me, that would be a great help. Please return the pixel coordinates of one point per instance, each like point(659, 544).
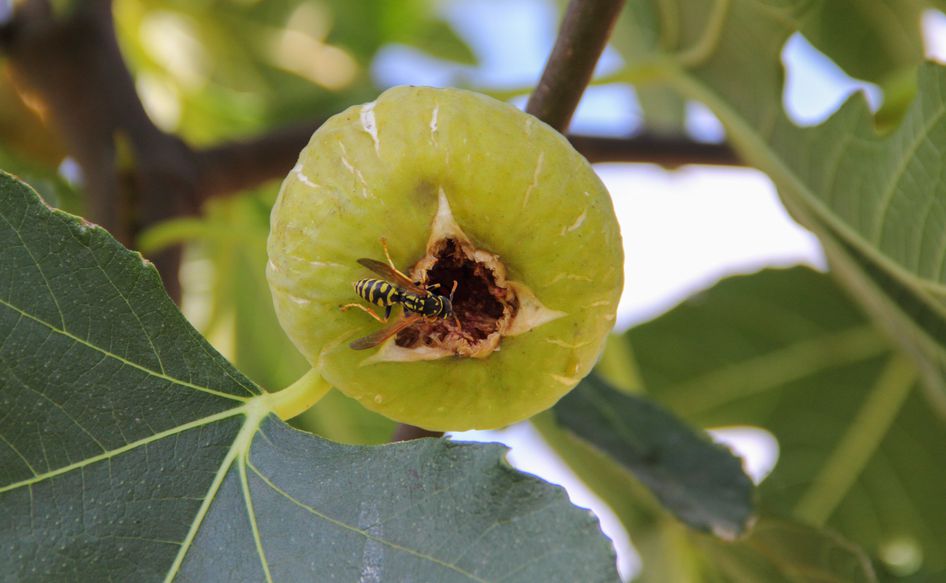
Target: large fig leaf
point(131, 451)
point(874, 200)
point(859, 446)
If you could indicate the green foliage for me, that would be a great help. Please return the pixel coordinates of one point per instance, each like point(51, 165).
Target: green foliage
point(871, 198)
point(227, 300)
point(131, 450)
point(885, 38)
point(773, 550)
point(702, 483)
point(213, 69)
point(785, 351)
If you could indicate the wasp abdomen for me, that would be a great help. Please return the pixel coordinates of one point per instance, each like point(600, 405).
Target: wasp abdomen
point(378, 292)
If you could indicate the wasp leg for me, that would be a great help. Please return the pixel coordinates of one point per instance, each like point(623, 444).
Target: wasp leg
point(370, 312)
point(456, 319)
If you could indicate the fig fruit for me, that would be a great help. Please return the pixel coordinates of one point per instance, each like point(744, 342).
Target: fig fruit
point(469, 193)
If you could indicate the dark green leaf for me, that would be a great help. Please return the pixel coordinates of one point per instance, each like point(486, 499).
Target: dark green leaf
point(131, 451)
point(231, 236)
point(699, 481)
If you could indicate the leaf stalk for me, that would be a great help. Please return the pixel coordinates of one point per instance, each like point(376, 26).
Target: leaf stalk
point(298, 397)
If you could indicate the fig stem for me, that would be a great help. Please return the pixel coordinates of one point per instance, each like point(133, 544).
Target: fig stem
point(298, 397)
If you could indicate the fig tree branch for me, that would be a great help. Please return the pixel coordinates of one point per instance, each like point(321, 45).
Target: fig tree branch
point(230, 168)
point(667, 151)
point(585, 30)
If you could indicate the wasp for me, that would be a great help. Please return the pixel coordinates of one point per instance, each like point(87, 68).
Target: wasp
point(397, 289)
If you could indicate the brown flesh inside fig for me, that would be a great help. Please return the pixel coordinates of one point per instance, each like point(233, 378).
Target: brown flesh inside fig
point(483, 305)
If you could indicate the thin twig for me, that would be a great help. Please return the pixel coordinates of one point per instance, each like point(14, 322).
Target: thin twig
point(582, 37)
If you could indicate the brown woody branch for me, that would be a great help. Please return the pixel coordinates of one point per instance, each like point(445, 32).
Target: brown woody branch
point(72, 64)
point(229, 168)
point(667, 151)
point(582, 37)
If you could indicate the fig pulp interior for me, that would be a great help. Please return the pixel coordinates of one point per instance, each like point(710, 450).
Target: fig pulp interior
point(483, 305)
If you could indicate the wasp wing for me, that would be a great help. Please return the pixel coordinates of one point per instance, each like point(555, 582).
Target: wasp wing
point(391, 274)
point(372, 340)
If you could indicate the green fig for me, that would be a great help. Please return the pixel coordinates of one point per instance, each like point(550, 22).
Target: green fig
point(477, 202)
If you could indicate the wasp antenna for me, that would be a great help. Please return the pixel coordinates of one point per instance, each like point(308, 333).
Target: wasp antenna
point(384, 245)
point(453, 290)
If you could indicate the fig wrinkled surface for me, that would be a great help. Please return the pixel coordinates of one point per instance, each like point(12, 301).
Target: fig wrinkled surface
point(463, 189)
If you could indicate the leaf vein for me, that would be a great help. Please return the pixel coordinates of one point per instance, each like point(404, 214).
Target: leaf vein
point(251, 515)
point(364, 533)
point(120, 450)
point(121, 359)
point(17, 452)
point(49, 289)
point(890, 189)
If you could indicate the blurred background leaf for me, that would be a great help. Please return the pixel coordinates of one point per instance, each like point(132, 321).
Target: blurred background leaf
point(215, 69)
point(785, 351)
point(774, 550)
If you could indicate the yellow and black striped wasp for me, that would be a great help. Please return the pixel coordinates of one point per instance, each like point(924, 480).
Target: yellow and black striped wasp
point(416, 299)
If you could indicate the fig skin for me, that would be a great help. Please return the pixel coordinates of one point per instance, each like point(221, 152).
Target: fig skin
point(515, 187)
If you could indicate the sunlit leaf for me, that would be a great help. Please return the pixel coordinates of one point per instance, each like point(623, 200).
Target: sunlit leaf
point(874, 40)
point(873, 199)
